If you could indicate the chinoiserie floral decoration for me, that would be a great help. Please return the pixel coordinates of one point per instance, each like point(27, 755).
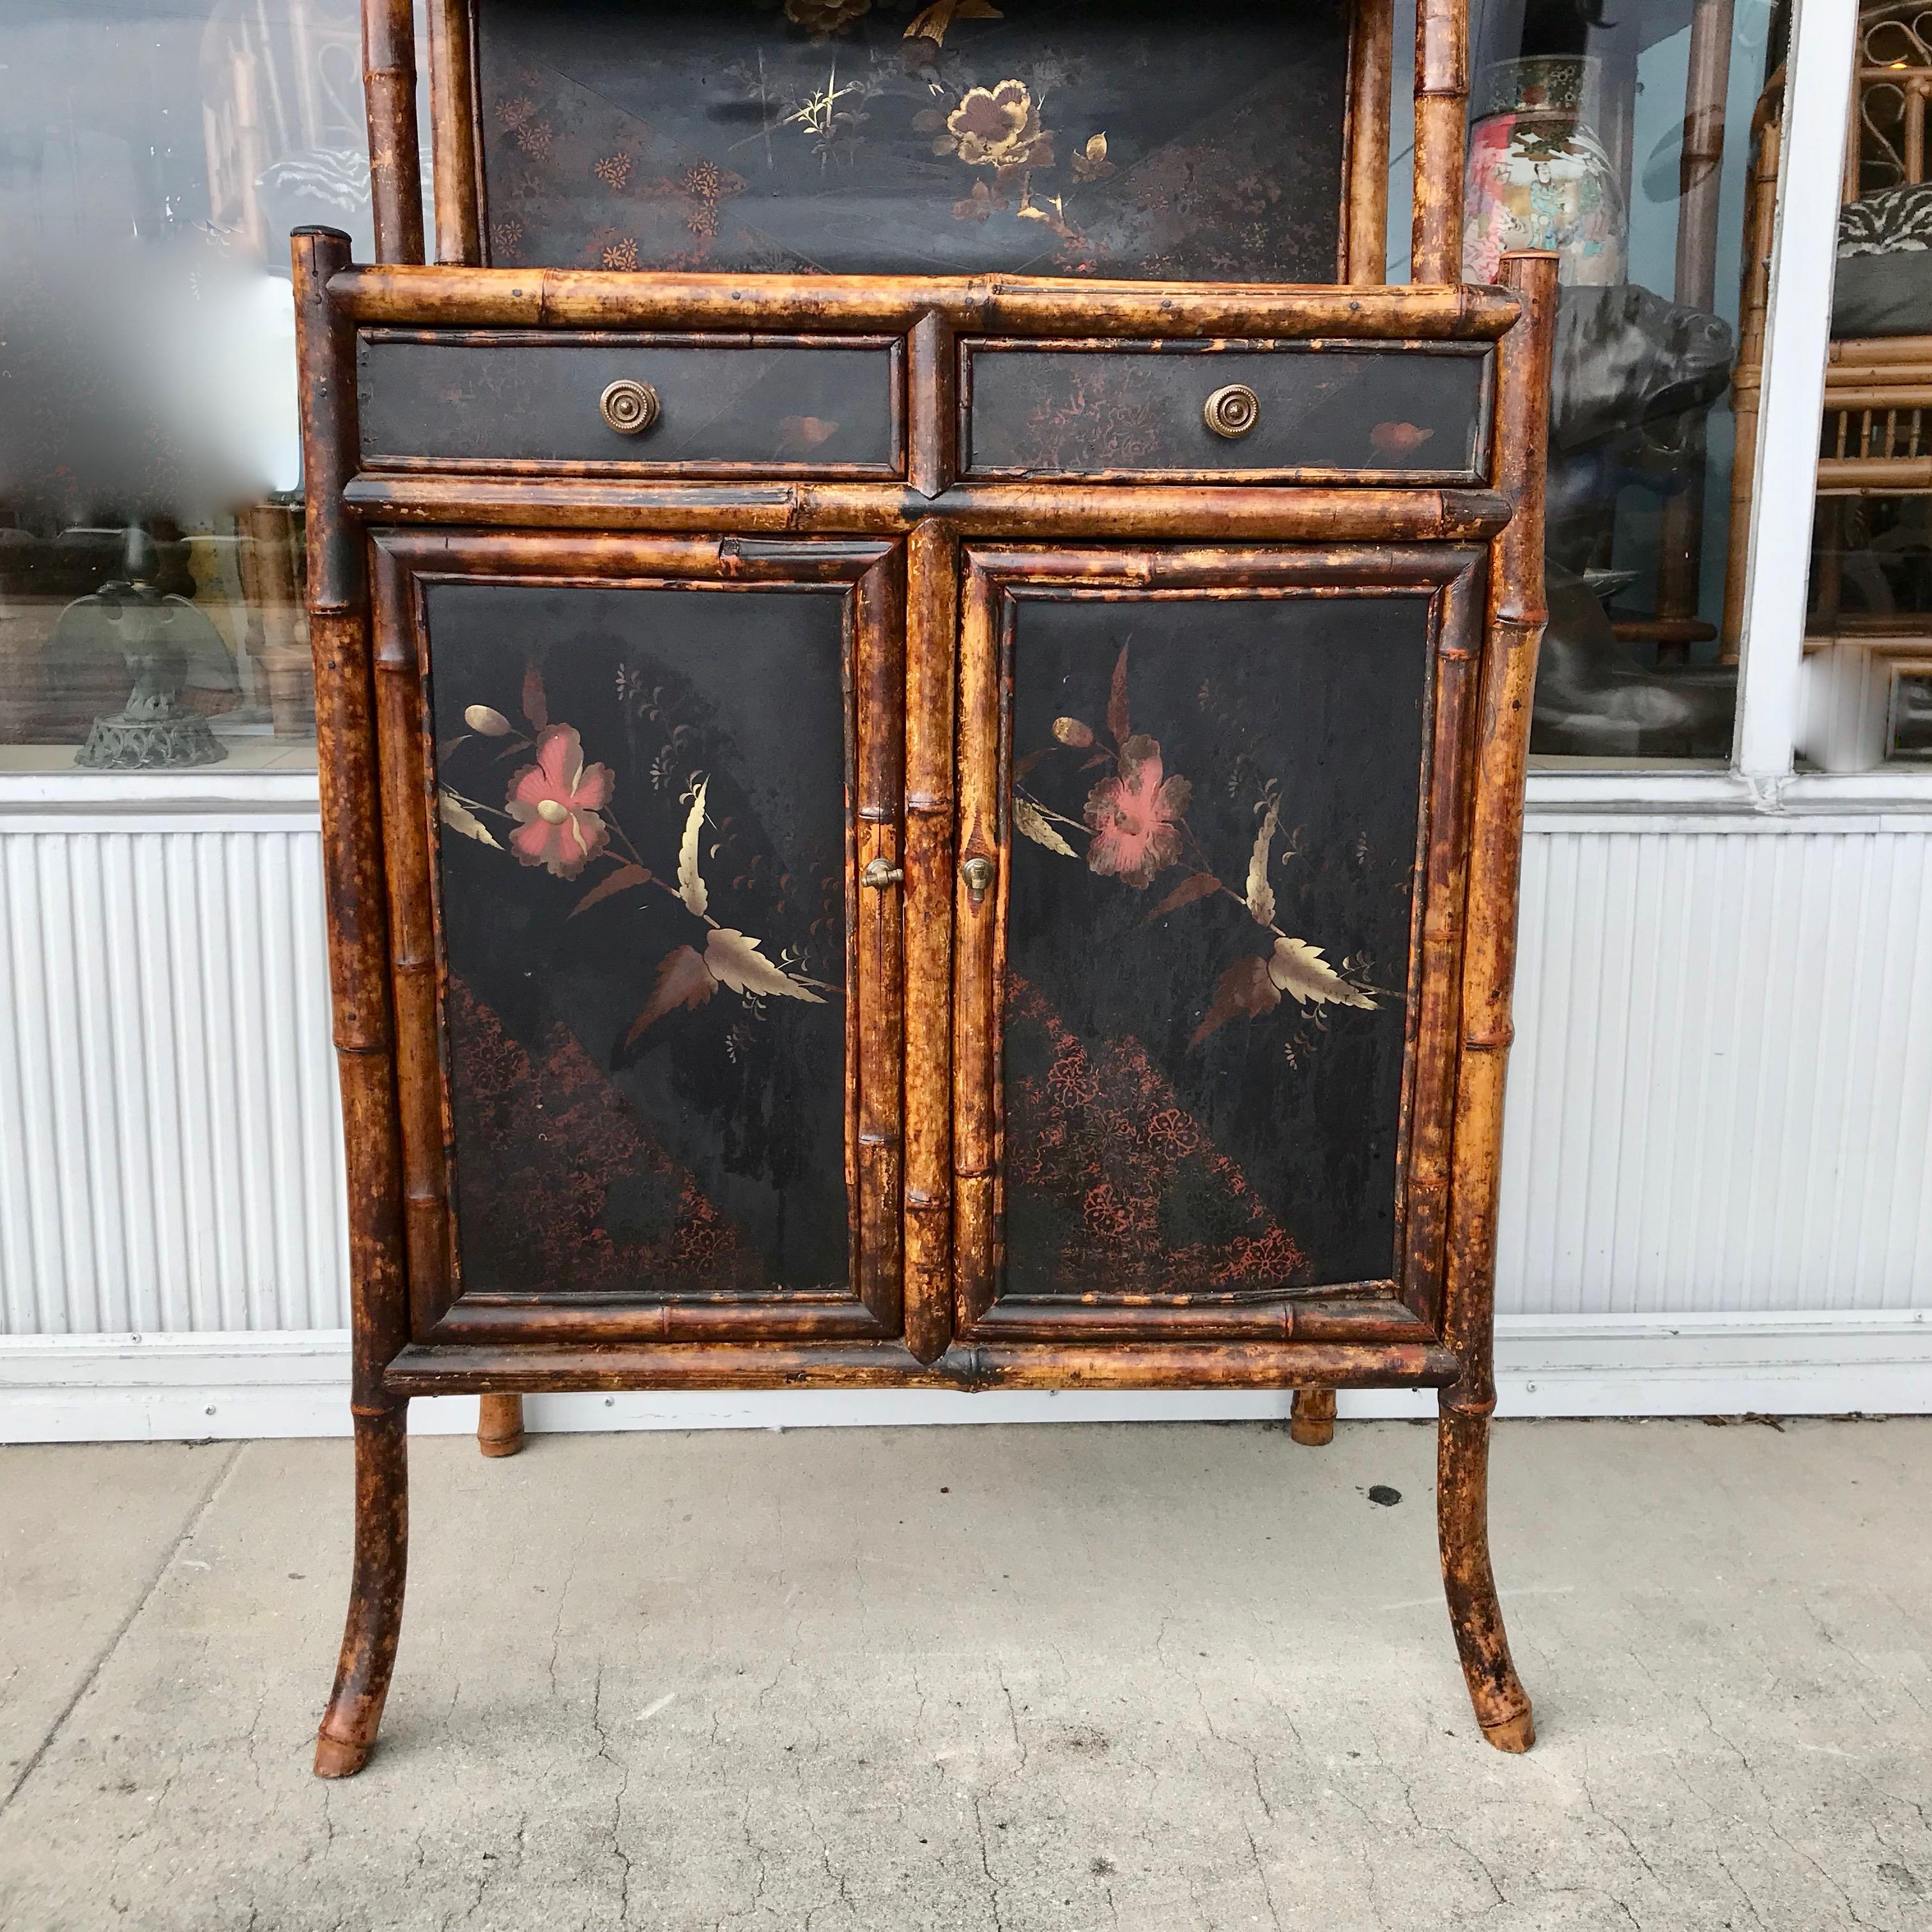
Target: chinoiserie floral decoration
point(1135, 824)
point(556, 812)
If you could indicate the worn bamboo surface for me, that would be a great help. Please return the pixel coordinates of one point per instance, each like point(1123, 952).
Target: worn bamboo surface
point(1441, 127)
point(455, 143)
point(1371, 56)
point(450, 297)
point(395, 163)
point(1516, 616)
point(1149, 512)
point(423, 1370)
point(1311, 1422)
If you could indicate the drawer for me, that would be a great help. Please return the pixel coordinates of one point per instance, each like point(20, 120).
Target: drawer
point(708, 405)
point(1401, 412)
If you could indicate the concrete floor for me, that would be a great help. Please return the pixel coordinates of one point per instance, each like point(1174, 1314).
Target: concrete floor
point(1153, 1679)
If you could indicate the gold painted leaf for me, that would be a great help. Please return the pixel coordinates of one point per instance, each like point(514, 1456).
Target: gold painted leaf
point(1029, 820)
point(459, 818)
point(1260, 894)
point(683, 980)
point(735, 959)
point(1299, 971)
point(621, 880)
point(1197, 886)
point(690, 885)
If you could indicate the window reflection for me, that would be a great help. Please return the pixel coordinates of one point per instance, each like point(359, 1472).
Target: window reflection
point(1869, 642)
point(1620, 136)
point(154, 156)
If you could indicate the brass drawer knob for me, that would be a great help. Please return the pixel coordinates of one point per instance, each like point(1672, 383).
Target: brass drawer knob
point(978, 873)
point(880, 874)
point(630, 408)
point(1232, 412)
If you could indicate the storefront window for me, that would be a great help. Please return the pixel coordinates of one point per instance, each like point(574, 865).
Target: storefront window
point(1866, 698)
point(1620, 135)
point(153, 155)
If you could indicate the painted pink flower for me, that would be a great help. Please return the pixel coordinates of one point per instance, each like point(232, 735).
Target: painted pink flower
point(1136, 836)
point(555, 803)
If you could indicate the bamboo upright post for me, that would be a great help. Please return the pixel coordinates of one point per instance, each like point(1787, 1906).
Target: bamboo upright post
point(1441, 127)
point(359, 963)
point(1515, 621)
point(389, 94)
point(1371, 59)
point(453, 135)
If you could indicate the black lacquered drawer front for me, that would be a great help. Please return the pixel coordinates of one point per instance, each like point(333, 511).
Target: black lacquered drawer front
point(1245, 411)
point(683, 404)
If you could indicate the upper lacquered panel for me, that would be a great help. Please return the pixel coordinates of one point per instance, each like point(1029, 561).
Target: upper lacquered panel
point(1134, 139)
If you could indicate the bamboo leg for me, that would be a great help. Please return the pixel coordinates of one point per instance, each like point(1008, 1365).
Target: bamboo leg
point(375, 1621)
point(1463, 1525)
point(499, 1425)
point(1312, 1421)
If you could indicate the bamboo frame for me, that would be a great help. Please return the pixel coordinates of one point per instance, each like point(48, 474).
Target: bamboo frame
point(927, 794)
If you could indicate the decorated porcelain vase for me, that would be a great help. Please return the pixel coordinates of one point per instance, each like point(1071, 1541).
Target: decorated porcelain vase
point(1539, 177)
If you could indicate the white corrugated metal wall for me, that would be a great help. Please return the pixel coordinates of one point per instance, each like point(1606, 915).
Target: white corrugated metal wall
point(1721, 1100)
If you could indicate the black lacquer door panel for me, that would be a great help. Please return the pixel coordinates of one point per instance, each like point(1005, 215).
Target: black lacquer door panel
point(767, 406)
point(1214, 772)
point(643, 887)
point(1123, 138)
point(1400, 412)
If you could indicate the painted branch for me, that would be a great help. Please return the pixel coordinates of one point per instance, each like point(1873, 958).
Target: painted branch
point(583, 298)
point(878, 688)
point(1442, 119)
point(454, 141)
point(1501, 1706)
point(1311, 1422)
point(1151, 512)
point(932, 626)
point(347, 1733)
point(395, 166)
point(513, 1365)
point(1365, 244)
point(499, 1425)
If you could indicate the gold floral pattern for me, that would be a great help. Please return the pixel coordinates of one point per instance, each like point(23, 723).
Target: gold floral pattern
point(997, 127)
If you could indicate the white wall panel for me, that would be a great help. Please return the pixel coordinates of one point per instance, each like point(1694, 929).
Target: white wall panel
point(169, 1157)
point(1720, 1100)
point(1721, 1094)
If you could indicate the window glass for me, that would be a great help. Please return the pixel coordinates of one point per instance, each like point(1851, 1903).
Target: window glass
point(1618, 133)
point(153, 155)
point(1866, 698)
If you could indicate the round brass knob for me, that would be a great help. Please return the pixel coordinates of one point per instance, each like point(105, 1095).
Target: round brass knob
point(978, 873)
point(1232, 412)
point(630, 408)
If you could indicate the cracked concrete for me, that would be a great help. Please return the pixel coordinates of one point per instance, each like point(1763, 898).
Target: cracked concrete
point(1144, 1679)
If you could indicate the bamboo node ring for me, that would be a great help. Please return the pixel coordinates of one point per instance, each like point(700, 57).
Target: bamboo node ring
point(629, 407)
point(1233, 411)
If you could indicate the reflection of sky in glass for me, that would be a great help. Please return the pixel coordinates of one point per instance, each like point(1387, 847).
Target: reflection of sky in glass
point(153, 155)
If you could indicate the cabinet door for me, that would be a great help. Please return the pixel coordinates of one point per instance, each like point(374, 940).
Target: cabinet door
point(1204, 1061)
point(650, 1056)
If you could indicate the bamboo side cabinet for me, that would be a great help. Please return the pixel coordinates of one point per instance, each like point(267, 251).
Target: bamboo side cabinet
point(949, 830)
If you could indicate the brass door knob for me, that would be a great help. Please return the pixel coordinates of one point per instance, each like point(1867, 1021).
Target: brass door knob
point(978, 873)
point(880, 874)
point(1232, 412)
point(630, 408)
